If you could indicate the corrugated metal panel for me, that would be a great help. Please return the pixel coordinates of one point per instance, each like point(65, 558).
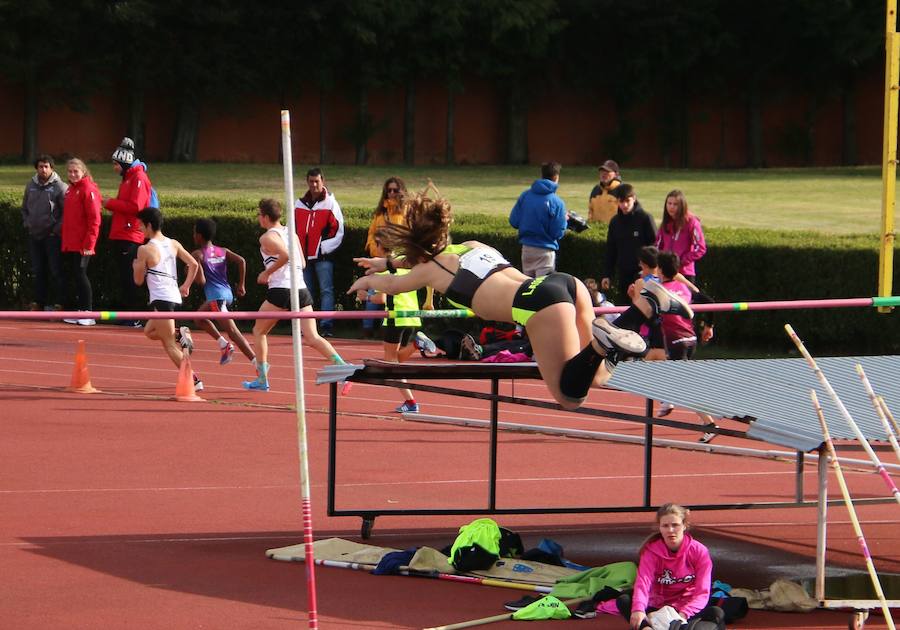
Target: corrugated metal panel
point(773, 394)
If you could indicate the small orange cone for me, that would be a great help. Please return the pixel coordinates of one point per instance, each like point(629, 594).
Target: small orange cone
point(184, 389)
point(81, 378)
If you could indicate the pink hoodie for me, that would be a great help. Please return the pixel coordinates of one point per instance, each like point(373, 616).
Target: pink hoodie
point(680, 580)
point(688, 242)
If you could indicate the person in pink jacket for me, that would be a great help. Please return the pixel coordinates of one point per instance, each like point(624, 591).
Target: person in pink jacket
point(681, 233)
point(674, 570)
point(80, 229)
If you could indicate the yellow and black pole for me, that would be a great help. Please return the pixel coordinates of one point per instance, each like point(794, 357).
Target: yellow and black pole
point(889, 154)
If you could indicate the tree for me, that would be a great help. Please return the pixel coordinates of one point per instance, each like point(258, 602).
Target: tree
point(831, 63)
point(425, 40)
point(202, 62)
point(686, 37)
point(756, 45)
point(512, 42)
point(135, 22)
point(37, 43)
point(361, 30)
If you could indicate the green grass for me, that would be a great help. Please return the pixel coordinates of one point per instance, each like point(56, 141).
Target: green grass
point(833, 200)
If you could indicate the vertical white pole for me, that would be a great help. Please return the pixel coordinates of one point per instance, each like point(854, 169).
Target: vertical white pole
point(821, 523)
point(310, 563)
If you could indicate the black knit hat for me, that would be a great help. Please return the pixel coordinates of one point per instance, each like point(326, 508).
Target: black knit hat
point(124, 153)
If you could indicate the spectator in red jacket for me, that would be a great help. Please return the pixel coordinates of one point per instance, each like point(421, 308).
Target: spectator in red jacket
point(125, 234)
point(320, 229)
point(80, 229)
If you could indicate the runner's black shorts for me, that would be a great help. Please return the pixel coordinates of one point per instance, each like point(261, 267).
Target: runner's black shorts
point(163, 306)
point(401, 335)
point(282, 297)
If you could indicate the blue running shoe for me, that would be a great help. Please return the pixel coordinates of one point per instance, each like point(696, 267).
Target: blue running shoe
point(257, 385)
point(407, 408)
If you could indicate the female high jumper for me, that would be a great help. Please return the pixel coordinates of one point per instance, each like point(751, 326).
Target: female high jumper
point(573, 349)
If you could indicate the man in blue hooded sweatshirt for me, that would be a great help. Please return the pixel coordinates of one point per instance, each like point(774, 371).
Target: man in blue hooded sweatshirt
point(540, 216)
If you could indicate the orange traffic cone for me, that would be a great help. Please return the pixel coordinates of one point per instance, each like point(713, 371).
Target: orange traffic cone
point(184, 389)
point(81, 378)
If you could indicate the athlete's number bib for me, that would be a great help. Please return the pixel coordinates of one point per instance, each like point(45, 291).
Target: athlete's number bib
point(481, 261)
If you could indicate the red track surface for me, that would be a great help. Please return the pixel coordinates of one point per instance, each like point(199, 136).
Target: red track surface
point(127, 509)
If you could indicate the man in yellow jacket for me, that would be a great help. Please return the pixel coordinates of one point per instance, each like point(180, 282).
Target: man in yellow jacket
point(602, 205)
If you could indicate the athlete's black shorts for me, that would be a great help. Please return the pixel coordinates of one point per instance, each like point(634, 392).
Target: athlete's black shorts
point(401, 335)
point(282, 297)
point(163, 306)
point(542, 292)
point(655, 338)
point(681, 351)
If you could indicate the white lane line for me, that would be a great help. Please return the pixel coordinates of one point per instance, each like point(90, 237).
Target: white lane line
point(38, 491)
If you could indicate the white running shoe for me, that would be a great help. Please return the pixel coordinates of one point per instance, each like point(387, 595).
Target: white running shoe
point(707, 437)
point(614, 339)
point(668, 302)
point(87, 322)
point(425, 345)
point(185, 339)
point(665, 409)
point(71, 321)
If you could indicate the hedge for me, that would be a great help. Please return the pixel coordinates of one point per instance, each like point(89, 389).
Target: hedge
point(740, 265)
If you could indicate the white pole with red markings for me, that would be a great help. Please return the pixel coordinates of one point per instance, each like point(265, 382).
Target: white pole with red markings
point(298, 371)
point(851, 510)
point(882, 472)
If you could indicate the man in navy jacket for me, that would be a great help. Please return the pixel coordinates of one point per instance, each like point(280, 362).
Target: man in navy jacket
point(629, 230)
point(540, 216)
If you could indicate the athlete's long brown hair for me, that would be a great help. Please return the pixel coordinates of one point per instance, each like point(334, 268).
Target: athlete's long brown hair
point(426, 233)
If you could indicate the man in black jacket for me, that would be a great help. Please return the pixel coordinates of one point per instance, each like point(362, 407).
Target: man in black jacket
point(631, 229)
point(42, 210)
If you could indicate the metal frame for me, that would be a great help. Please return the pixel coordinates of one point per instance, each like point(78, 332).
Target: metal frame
point(377, 373)
point(821, 544)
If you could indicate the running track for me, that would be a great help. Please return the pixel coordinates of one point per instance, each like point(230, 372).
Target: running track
point(127, 509)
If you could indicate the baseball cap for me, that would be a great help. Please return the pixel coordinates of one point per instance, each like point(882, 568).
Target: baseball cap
point(609, 165)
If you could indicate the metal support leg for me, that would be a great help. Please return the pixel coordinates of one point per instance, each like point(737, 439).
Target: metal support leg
point(798, 492)
point(332, 444)
point(648, 454)
point(492, 490)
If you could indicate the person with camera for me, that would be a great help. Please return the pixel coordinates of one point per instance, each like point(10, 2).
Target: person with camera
point(541, 218)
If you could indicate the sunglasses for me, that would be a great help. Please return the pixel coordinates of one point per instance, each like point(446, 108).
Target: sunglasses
point(393, 190)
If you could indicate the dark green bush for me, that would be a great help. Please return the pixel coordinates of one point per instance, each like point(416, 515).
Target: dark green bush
point(741, 265)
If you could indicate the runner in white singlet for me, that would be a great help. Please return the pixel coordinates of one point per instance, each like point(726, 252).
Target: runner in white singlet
point(155, 264)
point(273, 247)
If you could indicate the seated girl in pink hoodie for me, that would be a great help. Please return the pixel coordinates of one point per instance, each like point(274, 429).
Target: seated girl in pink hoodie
point(673, 570)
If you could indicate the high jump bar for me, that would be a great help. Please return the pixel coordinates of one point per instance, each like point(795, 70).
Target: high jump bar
point(774, 305)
